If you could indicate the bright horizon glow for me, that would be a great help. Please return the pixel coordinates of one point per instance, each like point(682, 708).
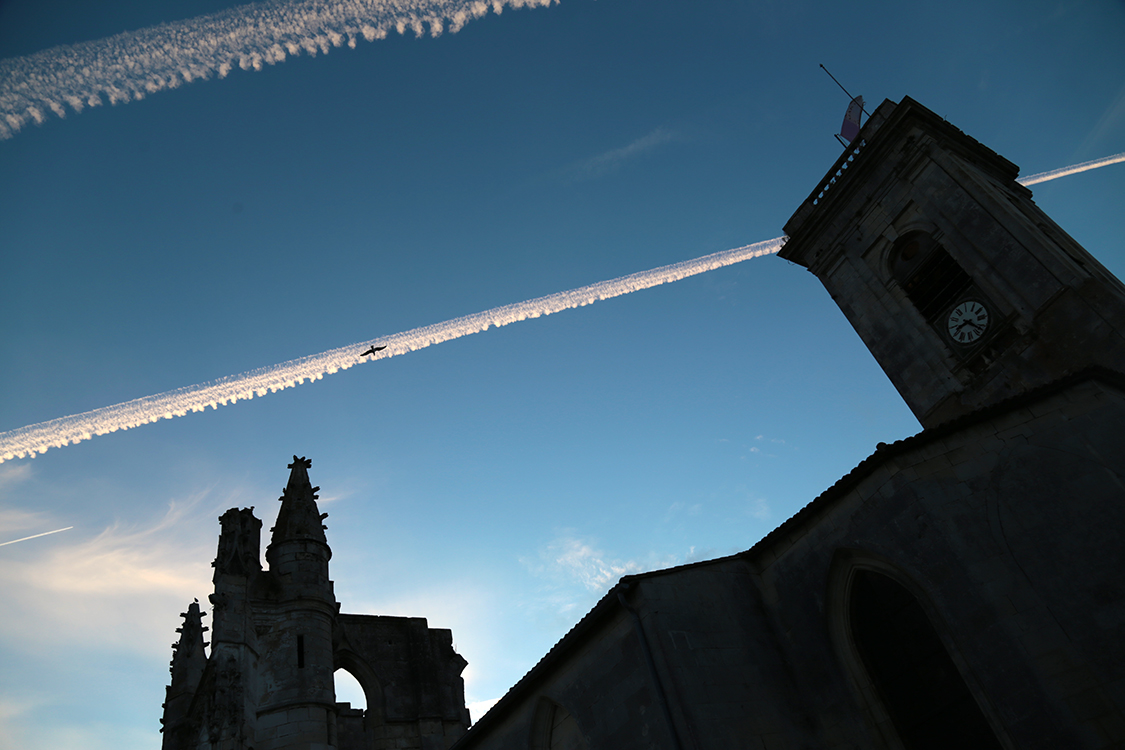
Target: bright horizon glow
point(56, 433)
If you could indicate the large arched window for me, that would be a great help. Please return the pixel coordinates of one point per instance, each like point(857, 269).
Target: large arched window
point(924, 693)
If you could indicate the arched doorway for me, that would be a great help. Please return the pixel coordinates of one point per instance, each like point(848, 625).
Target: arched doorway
point(924, 693)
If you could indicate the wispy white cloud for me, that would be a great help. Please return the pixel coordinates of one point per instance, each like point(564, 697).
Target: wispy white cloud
point(130, 66)
point(1111, 121)
point(118, 588)
point(759, 508)
point(38, 438)
point(610, 161)
point(679, 508)
point(11, 475)
point(575, 573)
point(578, 560)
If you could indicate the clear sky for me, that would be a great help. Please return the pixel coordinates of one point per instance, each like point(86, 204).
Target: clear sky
point(496, 484)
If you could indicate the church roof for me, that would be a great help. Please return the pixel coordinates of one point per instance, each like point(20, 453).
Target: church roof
point(609, 604)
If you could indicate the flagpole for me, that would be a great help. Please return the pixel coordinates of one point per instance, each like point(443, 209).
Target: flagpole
point(842, 88)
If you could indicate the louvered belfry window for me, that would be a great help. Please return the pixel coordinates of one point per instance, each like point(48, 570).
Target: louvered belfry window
point(929, 275)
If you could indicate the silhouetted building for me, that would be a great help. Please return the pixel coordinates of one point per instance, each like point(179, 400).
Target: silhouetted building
point(278, 638)
point(962, 588)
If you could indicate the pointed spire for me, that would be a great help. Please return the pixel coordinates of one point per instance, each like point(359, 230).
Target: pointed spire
point(188, 663)
point(299, 518)
point(239, 542)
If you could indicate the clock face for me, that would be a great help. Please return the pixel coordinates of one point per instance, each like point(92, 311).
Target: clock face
point(968, 322)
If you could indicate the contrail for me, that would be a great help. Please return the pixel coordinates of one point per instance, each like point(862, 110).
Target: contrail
point(35, 536)
point(37, 438)
point(1054, 174)
point(129, 66)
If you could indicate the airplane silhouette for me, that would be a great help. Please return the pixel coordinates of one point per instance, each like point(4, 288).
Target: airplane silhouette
point(374, 349)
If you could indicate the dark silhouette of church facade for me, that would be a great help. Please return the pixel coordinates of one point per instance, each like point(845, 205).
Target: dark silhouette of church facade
point(961, 588)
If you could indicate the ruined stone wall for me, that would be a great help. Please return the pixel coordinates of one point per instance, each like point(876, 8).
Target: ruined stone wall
point(278, 639)
point(411, 677)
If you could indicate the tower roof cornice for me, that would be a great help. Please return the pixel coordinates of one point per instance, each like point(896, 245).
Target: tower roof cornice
point(892, 127)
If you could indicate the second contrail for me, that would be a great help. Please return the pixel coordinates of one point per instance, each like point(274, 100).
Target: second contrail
point(35, 536)
point(1085, 166)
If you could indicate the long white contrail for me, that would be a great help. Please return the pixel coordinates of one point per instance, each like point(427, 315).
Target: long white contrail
point(35, 536)
point(37, 438)
point(1085, 166)
point(129, 66)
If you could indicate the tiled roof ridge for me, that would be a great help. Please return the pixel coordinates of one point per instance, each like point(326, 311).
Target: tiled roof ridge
point(884, 452)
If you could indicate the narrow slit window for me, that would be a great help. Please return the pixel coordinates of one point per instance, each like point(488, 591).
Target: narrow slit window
point(300, 652)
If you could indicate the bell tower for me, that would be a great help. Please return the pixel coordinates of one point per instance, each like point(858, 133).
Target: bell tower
point(963, 289)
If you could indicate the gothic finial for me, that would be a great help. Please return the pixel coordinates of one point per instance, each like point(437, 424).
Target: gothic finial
point(298, 517)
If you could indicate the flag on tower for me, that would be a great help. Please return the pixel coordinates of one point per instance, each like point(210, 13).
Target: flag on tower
point(850, 128)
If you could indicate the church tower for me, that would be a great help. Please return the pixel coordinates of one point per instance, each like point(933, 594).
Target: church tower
point(963, 289)
point(297, 688)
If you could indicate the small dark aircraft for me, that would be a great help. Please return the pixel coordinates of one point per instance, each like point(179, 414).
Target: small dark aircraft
point(373, 349)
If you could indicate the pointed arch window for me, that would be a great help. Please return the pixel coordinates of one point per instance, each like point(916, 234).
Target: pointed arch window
point(917, 680)
point(553, 728)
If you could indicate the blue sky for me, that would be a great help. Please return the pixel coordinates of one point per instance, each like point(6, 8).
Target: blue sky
point(496, 484)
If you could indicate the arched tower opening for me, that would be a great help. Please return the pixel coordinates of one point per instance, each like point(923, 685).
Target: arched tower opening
point(348, 689)
point(915, 677)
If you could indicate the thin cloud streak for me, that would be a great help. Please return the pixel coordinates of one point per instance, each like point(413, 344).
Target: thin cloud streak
point(37, 438)
point(1085, 166)
point(130, 66)
point(609, 161)
point(35, 536)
